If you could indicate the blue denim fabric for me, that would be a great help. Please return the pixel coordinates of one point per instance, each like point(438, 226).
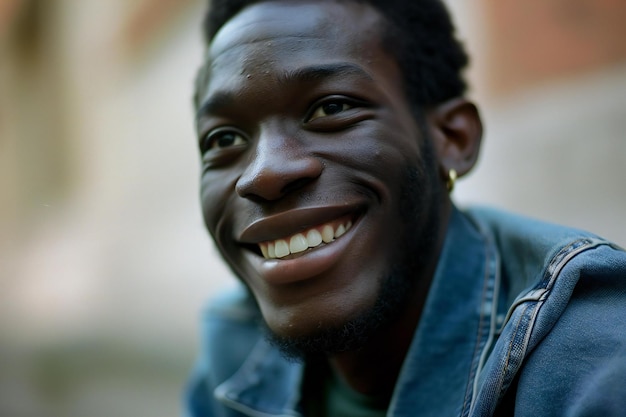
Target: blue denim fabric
point(523, 318)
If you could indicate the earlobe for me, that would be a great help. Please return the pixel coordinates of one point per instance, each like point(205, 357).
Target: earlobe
point(457, 132)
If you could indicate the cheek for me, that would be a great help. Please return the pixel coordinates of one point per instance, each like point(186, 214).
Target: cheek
point(218, 199)
point(377, 154)
point(217, 189)
point(380, 143)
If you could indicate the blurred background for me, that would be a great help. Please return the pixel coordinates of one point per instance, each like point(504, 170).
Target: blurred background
point(104, 262)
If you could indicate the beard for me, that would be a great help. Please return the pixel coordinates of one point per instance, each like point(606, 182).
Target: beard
point(398, 284)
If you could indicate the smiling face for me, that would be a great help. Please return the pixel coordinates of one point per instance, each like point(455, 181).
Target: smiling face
point(317, 185)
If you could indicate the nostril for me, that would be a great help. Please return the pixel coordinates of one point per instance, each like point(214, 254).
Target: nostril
point(260, 186)
point(270, 178)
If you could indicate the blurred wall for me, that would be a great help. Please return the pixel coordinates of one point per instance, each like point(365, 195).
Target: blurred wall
point(104, 263)
point(550, 77)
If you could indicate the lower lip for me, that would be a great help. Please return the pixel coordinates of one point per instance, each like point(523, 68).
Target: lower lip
point(315, 262)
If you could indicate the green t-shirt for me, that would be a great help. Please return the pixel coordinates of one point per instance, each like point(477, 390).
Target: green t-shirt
point(325, 394)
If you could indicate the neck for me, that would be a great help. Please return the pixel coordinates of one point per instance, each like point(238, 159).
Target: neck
point(374, 368)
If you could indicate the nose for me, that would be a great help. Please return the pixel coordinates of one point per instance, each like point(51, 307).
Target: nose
point(280, 166)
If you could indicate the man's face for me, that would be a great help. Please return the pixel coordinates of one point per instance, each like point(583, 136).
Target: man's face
point(311, 156)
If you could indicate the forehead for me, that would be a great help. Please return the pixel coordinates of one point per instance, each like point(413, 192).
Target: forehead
point(275, 35)
point(273, 20)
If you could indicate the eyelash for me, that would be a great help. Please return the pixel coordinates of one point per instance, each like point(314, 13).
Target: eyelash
point(345, 105)
point(348, 114)
point(210, 142)
point(330, 100)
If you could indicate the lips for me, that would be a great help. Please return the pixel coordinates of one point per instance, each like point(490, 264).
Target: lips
point(301, 243)
point(298, 231)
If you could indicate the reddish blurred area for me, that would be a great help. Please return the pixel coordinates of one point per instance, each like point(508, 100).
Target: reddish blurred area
point(536, 41)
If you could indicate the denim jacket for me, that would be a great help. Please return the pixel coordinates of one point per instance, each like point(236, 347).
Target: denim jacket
point(522, 318)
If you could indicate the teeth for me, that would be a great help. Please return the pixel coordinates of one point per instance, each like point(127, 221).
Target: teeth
point(298, 243)
point(282, 248)
point(328, 234)
point(302, 241)
point(313, 238)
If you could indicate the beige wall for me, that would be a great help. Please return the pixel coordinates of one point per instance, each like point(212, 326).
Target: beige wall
point(550, 77)
point(104, 263)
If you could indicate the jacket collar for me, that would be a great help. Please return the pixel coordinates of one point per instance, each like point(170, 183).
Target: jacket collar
point(267, 384)
point(437, 376)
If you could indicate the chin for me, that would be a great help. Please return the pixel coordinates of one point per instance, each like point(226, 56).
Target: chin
point(349, 332)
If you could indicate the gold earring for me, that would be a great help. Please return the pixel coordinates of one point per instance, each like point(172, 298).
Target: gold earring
point(451, 179)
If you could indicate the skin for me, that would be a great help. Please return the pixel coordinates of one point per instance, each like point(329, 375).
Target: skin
point(303, 121)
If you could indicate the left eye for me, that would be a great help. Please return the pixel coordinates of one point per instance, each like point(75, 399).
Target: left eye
point(329, 109)
point(226, 139)
point(222, 139)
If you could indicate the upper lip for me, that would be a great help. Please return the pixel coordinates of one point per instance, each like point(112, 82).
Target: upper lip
point(293, 221)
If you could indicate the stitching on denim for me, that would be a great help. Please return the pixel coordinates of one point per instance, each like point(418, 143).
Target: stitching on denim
point(544, 286)
point(555, 265)
point(560, 259)
point(507, 365)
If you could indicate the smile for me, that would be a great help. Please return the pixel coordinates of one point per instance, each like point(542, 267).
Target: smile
point(307, 239)
point(300, 244)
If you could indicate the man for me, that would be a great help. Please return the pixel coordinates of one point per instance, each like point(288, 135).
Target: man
point(331, 133)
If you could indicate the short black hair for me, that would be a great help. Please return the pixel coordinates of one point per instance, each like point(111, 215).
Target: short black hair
point(419, 33)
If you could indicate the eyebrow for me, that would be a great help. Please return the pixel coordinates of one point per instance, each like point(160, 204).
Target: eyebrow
point(218, 100)
point(306, 74)
point(317, 72)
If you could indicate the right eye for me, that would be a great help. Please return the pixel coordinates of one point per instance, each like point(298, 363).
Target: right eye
point(222, 139)
point(328, 109)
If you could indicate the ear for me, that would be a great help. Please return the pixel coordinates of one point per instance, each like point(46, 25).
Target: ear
point(456, 131)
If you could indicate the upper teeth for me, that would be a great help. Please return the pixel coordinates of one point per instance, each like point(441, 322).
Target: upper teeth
point(300, 242)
